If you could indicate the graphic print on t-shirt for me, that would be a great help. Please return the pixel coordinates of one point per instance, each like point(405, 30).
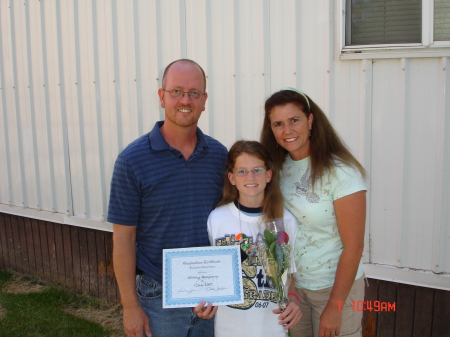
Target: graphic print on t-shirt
point(257, 290)
point(304, 187)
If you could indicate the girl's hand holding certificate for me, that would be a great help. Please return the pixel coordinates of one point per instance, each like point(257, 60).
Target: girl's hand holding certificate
point(205, 311)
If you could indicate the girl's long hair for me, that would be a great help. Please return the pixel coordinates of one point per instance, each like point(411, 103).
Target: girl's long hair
point(326, 145)
point(273, 200)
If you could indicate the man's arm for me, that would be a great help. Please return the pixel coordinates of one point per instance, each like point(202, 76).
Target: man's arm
point(135, 320)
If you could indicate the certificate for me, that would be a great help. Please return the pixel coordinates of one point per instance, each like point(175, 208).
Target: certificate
point(211, 274)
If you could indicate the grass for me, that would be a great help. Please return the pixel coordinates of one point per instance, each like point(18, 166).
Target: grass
point(39, 314)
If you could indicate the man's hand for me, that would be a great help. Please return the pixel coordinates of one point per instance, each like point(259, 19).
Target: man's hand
point(205, 312)
point(135, 322)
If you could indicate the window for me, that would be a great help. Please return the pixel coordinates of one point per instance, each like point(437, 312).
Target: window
point(442, 20)
point(421, 26)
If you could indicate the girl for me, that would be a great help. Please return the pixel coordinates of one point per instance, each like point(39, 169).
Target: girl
point(251, 197)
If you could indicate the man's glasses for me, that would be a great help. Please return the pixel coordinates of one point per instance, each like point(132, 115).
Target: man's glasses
point(177, 94)
point(256, 172)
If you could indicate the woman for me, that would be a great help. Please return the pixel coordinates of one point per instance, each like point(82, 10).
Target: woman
point(322, 185)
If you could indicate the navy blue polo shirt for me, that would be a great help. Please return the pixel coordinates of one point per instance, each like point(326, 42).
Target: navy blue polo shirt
point(168, 198)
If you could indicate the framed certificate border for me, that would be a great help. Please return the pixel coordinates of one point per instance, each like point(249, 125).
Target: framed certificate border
point(233, 276)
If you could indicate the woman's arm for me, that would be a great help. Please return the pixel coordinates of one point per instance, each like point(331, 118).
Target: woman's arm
point(351, 217)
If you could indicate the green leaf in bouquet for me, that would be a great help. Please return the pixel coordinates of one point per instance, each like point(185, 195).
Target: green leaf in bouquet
point(272, 249)
point(280, 257)
point(273, 271)
point(270, 238)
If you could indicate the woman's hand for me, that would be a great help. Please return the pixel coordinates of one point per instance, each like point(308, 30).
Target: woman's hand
point(330, 321)
point(291, 315)
point(205, 312)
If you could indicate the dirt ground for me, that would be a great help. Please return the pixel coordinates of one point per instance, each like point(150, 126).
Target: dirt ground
point(108, 315)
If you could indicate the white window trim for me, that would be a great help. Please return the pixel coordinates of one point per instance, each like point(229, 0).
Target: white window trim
point(427, 48)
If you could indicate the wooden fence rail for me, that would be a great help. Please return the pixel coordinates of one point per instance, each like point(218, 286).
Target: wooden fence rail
point(75, 257)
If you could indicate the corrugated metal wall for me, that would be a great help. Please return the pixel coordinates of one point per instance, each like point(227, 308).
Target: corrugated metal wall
point(79, 79)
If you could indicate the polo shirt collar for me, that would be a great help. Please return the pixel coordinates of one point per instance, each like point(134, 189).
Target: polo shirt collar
point(157, 141)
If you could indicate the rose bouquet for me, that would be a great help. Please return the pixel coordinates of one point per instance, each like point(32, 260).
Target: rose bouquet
point(274, 253)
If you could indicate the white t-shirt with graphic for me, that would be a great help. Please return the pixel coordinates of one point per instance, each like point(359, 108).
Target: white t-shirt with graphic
point(254, 317)
point(319, 246)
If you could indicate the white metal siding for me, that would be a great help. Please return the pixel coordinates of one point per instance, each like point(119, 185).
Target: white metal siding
point(79, 82)
point(410, 129)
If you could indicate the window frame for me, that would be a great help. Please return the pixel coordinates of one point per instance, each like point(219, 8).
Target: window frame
point(427, 48)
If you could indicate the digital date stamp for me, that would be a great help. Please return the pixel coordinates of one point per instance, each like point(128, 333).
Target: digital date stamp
point(370, 306)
